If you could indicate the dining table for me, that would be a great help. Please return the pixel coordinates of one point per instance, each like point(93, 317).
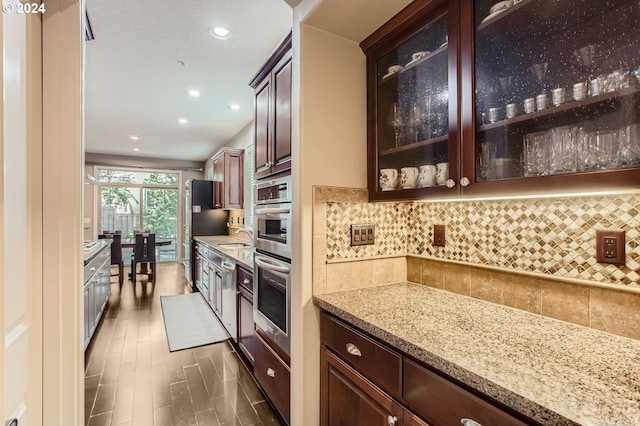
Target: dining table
point(131, 243)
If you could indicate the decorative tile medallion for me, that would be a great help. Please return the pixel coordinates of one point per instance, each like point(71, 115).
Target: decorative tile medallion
point(554, 236)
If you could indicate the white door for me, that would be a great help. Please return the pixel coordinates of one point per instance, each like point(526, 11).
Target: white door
point(20, 290)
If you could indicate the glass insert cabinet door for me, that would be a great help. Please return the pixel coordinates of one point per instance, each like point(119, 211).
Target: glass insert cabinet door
point(557, 88)
point(412, 111)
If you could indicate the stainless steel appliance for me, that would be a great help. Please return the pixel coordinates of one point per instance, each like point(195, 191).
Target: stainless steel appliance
point(273, 217)
point(272, 298)
point(200, 218)
point(273, 191)
point(272, 260)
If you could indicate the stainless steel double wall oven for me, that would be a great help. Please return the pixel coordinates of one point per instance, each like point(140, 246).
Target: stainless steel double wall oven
point(272, 261)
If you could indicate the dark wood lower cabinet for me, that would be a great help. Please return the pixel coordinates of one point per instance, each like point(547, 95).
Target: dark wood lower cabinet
point(442, 402)
point(348, 399)
point(246, 324)
point(273, 374)
point(410, 419)
point(350, 395)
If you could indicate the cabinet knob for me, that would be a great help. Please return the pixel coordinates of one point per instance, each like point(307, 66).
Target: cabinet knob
point(246, 281)
point(469, 422)
point(271, 372)
point(353, 349)
point(464, 181)
point(392, 420)
point(451, 183)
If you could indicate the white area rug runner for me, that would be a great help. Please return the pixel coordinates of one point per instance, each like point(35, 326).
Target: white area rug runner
point(190, 322)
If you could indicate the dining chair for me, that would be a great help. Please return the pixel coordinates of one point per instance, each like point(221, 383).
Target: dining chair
point(116, 252)
point(144, 251)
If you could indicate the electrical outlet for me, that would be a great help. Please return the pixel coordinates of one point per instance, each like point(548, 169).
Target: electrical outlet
point(438, 235)
point(610, 247)
point(362, 234)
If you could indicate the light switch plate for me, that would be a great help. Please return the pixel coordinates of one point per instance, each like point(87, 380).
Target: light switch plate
point(362, 234)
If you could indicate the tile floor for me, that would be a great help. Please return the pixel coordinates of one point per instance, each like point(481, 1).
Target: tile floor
point(131, 378)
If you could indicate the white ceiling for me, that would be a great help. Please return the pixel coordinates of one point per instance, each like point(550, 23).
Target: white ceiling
point(134, 84)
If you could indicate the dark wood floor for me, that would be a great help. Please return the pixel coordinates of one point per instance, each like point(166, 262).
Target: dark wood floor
point(131, 378)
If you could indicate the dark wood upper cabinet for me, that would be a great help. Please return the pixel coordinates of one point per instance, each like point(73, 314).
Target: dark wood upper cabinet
point(575, 64)
point(272, 121)
point(228, 179)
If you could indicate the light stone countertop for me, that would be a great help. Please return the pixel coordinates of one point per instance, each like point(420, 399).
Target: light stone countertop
point(92, 248)
point(241, 256)
point(554, 372)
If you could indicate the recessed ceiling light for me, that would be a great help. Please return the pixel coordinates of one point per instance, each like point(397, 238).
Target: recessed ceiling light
point(136, 149)
point(234, 107)
point(194, 93)
point(134, 138)
point(183, 121)
point(221, 33)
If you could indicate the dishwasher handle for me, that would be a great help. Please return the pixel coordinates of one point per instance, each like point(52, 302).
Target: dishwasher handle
point(228, 266)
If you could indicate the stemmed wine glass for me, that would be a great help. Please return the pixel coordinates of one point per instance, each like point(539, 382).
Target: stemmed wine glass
point(415, 121)
point(540, 72)
point(396, 121)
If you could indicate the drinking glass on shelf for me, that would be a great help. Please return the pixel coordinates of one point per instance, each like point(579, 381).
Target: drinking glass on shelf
point(629, 154)
point(564, 144)
point(597, 150)
point(396, 121)
point(536, 154)
point(415, 123)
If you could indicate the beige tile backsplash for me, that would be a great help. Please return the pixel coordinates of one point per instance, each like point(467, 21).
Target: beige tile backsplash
point(497, 250)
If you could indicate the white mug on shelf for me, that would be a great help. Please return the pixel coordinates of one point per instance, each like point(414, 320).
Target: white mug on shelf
point(388, 179)
point(409, 177)
point(442, 173)
point(427, 176)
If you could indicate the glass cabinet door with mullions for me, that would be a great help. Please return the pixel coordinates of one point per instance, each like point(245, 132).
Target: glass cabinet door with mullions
point(557, 90)
point(412, 113)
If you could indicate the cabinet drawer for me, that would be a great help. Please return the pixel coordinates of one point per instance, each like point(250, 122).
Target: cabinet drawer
point(442, 402)
point(273, 375)
point(374, 361)
point(245, 279)
point(350, 399)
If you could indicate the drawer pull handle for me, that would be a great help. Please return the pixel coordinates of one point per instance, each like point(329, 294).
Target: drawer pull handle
point(469, 422)
point(353, 349)
point(392, 420)
point(271, 372)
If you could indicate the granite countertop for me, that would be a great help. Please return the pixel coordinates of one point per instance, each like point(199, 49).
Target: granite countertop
point(551, 371)
point(92, 248)
point(242, 256)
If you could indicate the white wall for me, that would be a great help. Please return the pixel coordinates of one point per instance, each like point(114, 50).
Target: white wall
point(329, 149)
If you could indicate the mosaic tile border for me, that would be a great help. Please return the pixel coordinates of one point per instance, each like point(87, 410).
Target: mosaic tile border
point(552, 236)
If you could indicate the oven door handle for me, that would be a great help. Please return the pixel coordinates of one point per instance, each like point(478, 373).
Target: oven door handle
point(268, 211)
point(268, 265)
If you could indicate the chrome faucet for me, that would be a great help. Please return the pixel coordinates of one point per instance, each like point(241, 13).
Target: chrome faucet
point(247, 230)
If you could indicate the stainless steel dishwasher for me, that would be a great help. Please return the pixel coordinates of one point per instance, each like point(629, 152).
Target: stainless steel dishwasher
point(222, 288)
